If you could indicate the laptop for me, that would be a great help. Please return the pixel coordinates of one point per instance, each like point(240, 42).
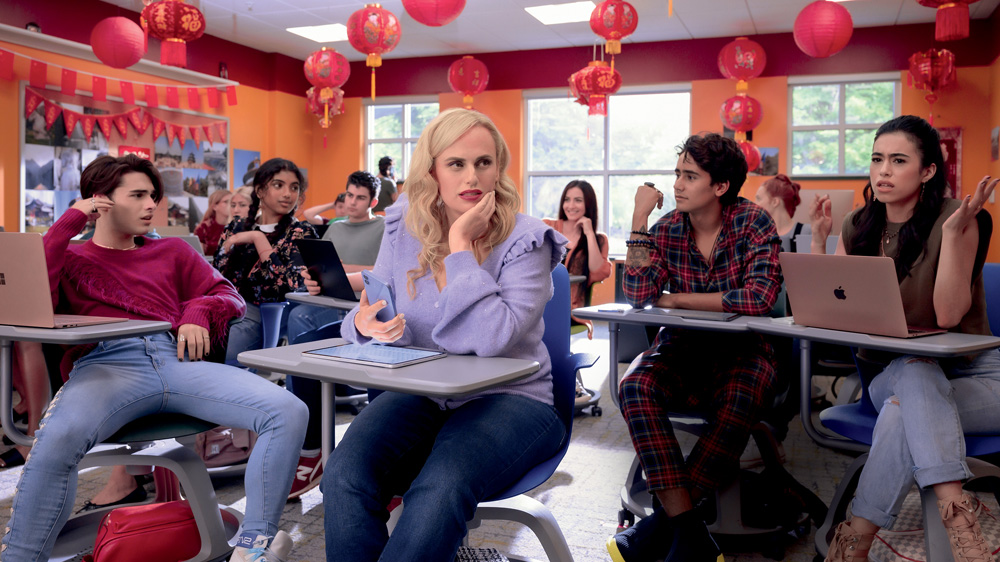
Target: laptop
point(321, 260)
point(848, 293)
point(24, 286)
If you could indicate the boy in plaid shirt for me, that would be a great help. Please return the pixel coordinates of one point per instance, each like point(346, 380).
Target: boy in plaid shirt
point(719, 252)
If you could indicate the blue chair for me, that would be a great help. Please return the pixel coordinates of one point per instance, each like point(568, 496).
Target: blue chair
point(857, 422)
point(512, 504)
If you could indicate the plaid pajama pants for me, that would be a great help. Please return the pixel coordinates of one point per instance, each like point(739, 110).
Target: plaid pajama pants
point(728, 379)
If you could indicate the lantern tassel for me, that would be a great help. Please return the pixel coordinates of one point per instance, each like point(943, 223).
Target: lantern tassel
point(173, 52)
point(324, 140)
point(373, 83)
point(612, 63)
point(670, 8)
point(613, 47)
point(951, 22)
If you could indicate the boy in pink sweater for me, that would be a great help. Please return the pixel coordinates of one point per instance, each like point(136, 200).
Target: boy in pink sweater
point(123, 274)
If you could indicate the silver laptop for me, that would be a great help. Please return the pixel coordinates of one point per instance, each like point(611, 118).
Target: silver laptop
point(25, 299)
point(849, 293)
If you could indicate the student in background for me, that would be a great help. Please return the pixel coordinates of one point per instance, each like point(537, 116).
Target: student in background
point(387, 178)
point(779, 196)
point(257, 253)
point(925, 404)
point(210, 229)
point(471, 275)
point(587, 250)
point(312, 214)
point(716, 251)
point(121, 273)
point(239, 203)
point(357, 239)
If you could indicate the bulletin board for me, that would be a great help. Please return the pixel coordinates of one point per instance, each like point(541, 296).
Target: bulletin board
point(61, 134)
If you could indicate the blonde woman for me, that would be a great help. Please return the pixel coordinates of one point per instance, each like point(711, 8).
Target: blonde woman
point(239, 204)
point(471, 275)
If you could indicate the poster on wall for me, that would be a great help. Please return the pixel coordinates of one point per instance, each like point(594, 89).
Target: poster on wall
point(951, 146)
point(245, 162)
point(64, 133)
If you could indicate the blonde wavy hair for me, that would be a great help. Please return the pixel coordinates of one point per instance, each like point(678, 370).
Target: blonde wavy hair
point(426, 218)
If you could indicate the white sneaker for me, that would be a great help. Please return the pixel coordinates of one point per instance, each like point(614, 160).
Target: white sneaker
point(582, 395)
point(254, 548)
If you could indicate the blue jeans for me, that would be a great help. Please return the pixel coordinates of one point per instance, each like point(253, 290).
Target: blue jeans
point(443, 463)
point(927, 406)
point(245, 335)
point(303, 328)
point(121, 380)
point(305, 318)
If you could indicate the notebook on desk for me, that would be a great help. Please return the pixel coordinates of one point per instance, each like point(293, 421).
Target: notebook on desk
point(848, 293)
point(321, 260)
point(24, 286)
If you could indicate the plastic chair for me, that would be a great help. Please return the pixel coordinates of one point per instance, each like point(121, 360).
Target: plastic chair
point(857, 421)
point(512, 504)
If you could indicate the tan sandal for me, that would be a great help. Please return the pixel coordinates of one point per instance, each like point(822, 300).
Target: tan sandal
point(961, 521)
point(849, 545)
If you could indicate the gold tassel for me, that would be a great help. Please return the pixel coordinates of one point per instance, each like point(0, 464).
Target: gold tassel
point(670, 8)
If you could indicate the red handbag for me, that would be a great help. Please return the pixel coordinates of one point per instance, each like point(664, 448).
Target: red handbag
point(156, 532)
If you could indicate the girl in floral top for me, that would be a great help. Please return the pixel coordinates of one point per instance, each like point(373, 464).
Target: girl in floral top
point(257, 254)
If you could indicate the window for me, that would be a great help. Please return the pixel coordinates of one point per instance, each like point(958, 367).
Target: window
point(833, 124)
point(393, 129)
point(635, 143)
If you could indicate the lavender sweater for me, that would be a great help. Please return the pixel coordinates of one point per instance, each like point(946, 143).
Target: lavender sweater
point(490, 310)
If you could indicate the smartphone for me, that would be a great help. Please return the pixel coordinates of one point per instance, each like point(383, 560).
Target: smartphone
point(376, 291)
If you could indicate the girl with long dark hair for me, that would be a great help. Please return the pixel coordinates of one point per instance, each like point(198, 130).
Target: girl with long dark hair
point(925, 404)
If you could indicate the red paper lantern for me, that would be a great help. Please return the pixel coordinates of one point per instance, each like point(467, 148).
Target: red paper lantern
point(468, 76)
point(614, 20)
point(326, 68)
point(823, 28)
point(742, 59)
point(752, 154)
point(434, 13)
point(117, 42)
point(741, 113)
point(174, 23)
point(325, 103)
point(932, 70)
point(595, 83)
point(373, 30)
point(952, 19)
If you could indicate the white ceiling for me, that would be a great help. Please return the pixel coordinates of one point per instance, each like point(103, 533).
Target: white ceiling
point(503, 25)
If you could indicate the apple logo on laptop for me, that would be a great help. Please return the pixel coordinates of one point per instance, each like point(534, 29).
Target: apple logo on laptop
point(839, 293)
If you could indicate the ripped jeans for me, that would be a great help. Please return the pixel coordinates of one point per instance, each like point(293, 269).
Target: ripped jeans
point(926, 407)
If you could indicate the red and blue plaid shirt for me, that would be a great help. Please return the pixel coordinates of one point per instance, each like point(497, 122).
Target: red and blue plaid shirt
point(744, 269)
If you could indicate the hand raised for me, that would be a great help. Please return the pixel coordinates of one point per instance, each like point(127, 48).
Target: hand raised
point(970, 206)
point(647, 198)
point(95, 206)
point(368, 326)
point(820, 216)
point(473, 224)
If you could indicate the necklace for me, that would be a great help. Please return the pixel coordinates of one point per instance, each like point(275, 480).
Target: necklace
point(113, 248)
point(886, 238)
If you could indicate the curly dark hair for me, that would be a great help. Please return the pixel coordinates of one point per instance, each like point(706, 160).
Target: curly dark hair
point(722, 158)
point(362, 178)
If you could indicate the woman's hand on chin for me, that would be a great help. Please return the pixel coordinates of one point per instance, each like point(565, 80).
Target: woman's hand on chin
point(472, 225)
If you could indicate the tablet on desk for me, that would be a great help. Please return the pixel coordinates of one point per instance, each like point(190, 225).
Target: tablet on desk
point(374, 355)
point(691, 314)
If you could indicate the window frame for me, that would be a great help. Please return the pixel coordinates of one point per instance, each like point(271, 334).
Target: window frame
point(605, 172)
point(405, 101)
point(841, 80)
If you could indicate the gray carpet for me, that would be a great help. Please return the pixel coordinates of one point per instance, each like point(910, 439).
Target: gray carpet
point(583, 494)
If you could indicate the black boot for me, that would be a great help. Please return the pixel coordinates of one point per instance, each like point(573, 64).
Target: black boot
point(691, 540)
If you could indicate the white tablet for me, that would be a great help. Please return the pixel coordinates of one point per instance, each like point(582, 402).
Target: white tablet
point(375, 355)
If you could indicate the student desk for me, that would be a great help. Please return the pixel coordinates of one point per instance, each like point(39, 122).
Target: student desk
point(436, 378)
point(948, 344)
point(320, 300)
point(71, 336)
point(616, 314)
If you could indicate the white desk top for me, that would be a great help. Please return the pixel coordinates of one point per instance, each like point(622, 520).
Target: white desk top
point(452, 376)
point(320, 300)
point(948, 344)
point(83, 334)
point(624, 313)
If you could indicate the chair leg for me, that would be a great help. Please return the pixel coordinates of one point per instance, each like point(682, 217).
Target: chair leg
point(533, 514)
point(838, 505)
point(936, 543)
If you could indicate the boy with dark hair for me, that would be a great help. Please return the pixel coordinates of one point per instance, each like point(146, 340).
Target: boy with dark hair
point(121, 273)
point(718, 252)
point(357, 239)
point(387, 178)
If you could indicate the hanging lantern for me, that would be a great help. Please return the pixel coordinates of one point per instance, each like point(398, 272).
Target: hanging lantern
point(373, 30)
point(595, 83)
point(931, 71)
point(742, 59)
point(468, 76)
point(325, 103)
point(614, 20)
point(326, 68)
point(741, 113)
point(823, 28)
point(174, 23)
point(434, 13)
point(574, 93)
point(117, 42)
point(752, 154)
point(952, 19)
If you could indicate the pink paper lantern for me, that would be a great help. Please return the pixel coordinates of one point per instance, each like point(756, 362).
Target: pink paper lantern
point(117, 42)
point(434, 13)
point(752, 154)
point(823, 28)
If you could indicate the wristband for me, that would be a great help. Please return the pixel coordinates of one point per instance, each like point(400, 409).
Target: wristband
point(641, 232)
point(642, 243)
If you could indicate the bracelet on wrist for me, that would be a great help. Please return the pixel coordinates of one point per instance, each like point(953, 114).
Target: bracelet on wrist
point(641, 232)
point(639, 243)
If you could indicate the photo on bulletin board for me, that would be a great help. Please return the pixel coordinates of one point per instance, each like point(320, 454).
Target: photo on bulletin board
point(244, 163)
point(768, 162)
point(951, 146)
point(64, 133)
point(995, 144)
